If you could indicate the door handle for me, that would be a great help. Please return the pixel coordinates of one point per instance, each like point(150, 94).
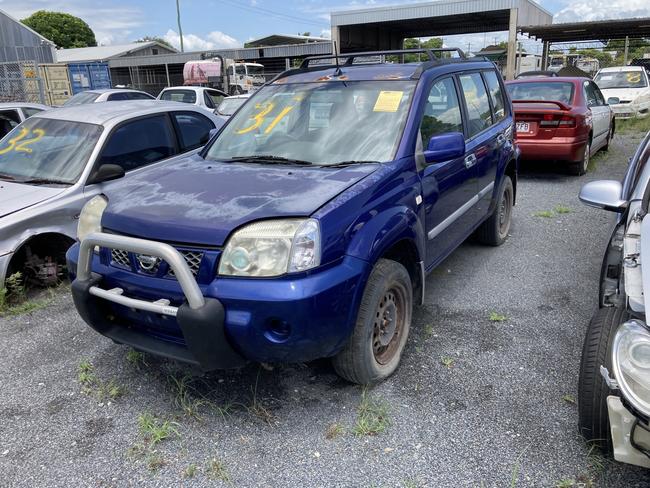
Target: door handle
point(501, 140)
point(470, 161)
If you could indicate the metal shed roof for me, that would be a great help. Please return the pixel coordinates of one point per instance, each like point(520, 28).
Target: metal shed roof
point(603, 30)
point(103, 53)
point(283, 40)
point(446, 17)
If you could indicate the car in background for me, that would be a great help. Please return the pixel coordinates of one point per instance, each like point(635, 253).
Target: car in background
point(55, 161)
point(12, 114)
point(614, 384)
point(565, 119)
point(200, 96)
point(628, 88)
point(306, 227)
point(230, 105)
point(537, 74)
point(107, 95)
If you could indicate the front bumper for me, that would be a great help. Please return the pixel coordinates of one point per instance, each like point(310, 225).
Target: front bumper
point(628, 111)
point(555, 149)
point(625, 432)
point(221, 323)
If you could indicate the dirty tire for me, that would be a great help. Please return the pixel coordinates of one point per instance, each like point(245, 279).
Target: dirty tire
point(580, 168)
point(494, 231)
point(365, 359)
point(592, 389)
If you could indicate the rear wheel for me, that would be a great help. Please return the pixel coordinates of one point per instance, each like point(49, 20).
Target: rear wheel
point(592, 389)
point(375, 348)
point(580, 168)
point(494, 231)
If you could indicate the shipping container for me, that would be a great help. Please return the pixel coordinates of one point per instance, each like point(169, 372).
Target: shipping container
point(89, 76)
point(56, 83)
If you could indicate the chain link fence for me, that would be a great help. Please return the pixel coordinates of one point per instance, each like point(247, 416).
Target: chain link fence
point(21, 82)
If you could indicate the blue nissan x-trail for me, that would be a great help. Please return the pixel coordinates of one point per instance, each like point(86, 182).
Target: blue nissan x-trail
point(307, 225)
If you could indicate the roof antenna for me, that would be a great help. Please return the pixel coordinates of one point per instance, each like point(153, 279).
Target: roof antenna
point(338, 71)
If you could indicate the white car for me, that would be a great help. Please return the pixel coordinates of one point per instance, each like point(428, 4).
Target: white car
point(230, 105)
point(107, 95)
point(201, 96)
point(12, 114)
point(627, 90)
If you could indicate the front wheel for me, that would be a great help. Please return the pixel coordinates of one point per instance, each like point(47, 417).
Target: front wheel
point(592, 390)
point(374, 350)
point(494, 231)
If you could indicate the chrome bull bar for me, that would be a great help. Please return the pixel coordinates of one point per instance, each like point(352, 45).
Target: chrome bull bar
point(166, 252)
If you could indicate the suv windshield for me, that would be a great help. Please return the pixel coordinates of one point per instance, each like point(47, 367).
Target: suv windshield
point(556, 91)
point(620, 79)
point(184, 96)
point(319, 123)
point(48, 150)
point(81, 99)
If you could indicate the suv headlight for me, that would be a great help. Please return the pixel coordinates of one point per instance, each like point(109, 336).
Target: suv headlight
point(631, 364)
point(90, 218)
point(272, 248)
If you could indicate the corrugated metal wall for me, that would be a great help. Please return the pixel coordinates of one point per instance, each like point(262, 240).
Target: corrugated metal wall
point(18, 43)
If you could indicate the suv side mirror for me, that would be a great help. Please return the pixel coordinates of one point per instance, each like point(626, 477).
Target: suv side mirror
point(605, 194)
point(443, 147)
point(613, 101)
point(105, 172)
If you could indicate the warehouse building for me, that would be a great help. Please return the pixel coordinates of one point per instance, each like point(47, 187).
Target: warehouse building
point(20, 43)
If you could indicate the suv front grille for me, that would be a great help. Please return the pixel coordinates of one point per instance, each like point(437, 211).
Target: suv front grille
point(193, 260)
point(118, 256)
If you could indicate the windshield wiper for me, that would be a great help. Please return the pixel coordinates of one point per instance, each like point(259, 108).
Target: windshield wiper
point(269, 160)
point(44, 181)
point(4, 176)
point(345, 164)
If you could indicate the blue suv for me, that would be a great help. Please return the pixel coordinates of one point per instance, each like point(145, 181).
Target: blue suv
point(307, 225)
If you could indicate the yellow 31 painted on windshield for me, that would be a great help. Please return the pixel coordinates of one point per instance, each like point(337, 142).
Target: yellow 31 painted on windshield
point(15, 143)
point(260, 117)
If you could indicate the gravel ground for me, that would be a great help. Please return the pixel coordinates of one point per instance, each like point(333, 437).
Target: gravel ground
point(476, 402)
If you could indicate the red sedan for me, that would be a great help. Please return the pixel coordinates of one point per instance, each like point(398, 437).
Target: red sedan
point(561, 118)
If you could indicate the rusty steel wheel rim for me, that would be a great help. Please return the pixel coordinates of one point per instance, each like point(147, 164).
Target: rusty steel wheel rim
point(388, 325)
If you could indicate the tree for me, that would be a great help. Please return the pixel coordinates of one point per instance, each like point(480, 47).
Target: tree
point(64, 30)
point(412, 43)
point(156, 39)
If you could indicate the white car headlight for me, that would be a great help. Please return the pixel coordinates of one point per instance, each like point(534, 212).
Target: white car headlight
point(631, 364)
point(272, 248)
point(90, 219)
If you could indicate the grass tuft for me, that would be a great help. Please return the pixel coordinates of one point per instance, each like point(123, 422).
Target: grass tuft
point(547, 214)
point(154, 430)
point(92, 385)
point(190, 471)
point(561, 209)
point(136, 358)
point(372, 416)
point(497, 317)
point(446, 361)
point(569, 399)
point(216, 469)
point(13, 298)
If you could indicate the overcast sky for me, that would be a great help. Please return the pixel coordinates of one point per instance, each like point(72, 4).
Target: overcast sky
point(229, 23)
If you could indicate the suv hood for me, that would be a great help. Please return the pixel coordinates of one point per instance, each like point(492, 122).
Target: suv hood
point(18, 196)
point(202, 202)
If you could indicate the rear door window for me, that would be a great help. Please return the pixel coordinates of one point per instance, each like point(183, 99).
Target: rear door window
point(479, 116)
point(184, 96)
point(139, 96)
point(215, 97)
point(193, 129)
point(496, 95)
point(441, 111)
point(139, 143)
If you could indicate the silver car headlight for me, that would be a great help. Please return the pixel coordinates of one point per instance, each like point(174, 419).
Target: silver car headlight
point(90, 219)
point(272, 248)
point(631, 364)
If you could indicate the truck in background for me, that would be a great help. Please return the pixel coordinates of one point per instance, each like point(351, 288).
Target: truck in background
point(232, 77)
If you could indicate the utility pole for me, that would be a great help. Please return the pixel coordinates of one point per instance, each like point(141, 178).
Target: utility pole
point(178, 17)
point(627, 49)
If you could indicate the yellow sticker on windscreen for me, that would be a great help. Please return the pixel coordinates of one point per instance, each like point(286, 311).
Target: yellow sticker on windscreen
point(388, 101)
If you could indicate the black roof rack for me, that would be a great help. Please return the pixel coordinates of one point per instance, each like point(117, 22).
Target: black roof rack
point(350, 57)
